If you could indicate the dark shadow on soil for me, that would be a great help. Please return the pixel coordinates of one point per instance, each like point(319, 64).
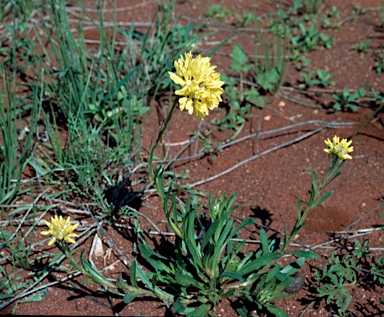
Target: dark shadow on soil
point(122, 195)
point(263, 215)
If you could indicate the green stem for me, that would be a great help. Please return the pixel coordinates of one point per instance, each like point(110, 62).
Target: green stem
point(154, 178)
point(328, 177)
point(317, 191)
point(161, 132)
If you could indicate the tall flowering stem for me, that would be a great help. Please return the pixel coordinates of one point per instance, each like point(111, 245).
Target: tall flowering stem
point(339, 152)
point(156, 176)
point(200, 92)
point(161, 132)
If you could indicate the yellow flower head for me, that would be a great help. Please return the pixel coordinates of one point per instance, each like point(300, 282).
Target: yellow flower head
point(339, 148)
point(200, 84)
point(60, 229)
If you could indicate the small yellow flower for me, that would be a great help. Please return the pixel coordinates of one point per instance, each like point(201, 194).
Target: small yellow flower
point(200, 84)
point(339, 148)
point(60, 229)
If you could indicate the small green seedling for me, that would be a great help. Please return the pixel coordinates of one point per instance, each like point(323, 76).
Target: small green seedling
point(322, 79)
point(347, 101)
point(326, 19)
point(310, 39)
point(379, 66)
point(312, 6)
point(218, 12)
point(335, 279)
point(345, 272)
point(246, 19)
point(363, 47)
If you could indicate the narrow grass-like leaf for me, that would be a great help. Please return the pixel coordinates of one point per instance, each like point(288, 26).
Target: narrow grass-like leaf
point(210, 232)
point(189, 237)
point(201, 311)
point(298, 208)
point(304, 254)
point(187, 280)
point(39, 296)
point(95, 275)
point(5, 296)
point(214, 261)
point(233, 276)
point(276, 311)
point(132, 273)
point(272, 273)
point(254, 265)
point(314, 177)
point(264, 241)
point(154, 258)
point(322, 199)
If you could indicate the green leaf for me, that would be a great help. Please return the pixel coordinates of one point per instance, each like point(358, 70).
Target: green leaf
point(210, 232)
point(186, 280)
point(39, 296)
point(90, 272)
point(281, 287)
point(299, 207)
point(304, 254)
point(264, 241)
point(230, 293)
point(361, 92)
point(5, 296)
point(178, 307)
point(129, 297)
point(337, 106)
point(254, 265)
point(201, 311)
point(233, 275)
point(143, 277)
point(297, 4)
point(224, 238)
point(95, 275)
point(87, 282)
point(322, 199)
point(120, 283)
point(154, 258)
point(132, 273)
point(242, 311)
point(154, 281)
point(276, 311)
point(293, 267)
point(239, 58)
point(314, 177)
point(272, 273)
point(120, 84)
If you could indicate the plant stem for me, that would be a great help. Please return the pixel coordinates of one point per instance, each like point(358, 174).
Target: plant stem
point(161, 132)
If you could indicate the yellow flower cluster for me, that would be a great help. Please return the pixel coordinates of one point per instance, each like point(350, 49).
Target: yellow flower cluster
point(60, 229)
point(200, 84)
point(339, 148)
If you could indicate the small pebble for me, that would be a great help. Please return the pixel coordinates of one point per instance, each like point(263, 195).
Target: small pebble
point(296, 284)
